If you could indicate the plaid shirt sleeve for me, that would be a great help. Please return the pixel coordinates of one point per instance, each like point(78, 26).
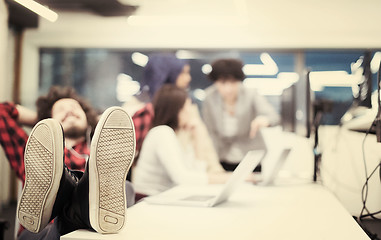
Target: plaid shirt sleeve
point(12, 138)
point(142, 122)
point(76, 157)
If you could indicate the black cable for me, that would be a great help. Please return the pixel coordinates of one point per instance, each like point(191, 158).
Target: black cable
point(370, 215)
point(364, 196)
point(378, 116)
point(365, 186)
point(364, 199)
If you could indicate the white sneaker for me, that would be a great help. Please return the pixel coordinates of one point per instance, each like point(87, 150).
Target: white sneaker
point(111, 156)
point(43, 159)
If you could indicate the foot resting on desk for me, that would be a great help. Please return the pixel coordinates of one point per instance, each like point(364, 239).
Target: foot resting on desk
point(111, 156)
point(93, 199)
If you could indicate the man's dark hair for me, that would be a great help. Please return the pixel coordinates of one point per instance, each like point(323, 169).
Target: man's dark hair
point(167, 103)
point(226, 69)
point(45, 103)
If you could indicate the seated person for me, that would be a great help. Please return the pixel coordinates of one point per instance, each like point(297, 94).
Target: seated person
point(160, 69)
point(168, 69)
point(54, 165)
point(164, 160)
point(233, 114)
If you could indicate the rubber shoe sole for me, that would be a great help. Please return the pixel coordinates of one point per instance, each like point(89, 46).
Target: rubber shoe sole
point(111, 156)
point(43, 159)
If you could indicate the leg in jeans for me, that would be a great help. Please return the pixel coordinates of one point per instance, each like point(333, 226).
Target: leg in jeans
point(48, 183)
point(111, 156)
point(99, 200)
point(50, 232)
point(100, 205)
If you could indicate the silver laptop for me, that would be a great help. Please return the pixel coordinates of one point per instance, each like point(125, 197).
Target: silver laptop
point(271, 166)
point(277, 152)
point(246, 166)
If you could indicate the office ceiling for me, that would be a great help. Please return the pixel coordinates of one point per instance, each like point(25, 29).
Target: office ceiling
point(22, 17)
point(106, 8)
point(209, 24)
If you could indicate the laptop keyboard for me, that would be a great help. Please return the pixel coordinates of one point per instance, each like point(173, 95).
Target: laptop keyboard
point(198, 198)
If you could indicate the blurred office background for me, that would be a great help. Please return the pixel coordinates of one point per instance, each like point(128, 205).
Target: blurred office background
point(100, 47)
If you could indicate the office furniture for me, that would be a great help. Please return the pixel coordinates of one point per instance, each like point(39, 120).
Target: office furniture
point(291, 210)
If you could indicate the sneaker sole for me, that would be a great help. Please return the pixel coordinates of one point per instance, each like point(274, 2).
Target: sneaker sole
point(111, 156)
point(43, 159)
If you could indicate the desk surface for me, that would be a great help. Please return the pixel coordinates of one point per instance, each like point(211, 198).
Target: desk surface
point(297, 211)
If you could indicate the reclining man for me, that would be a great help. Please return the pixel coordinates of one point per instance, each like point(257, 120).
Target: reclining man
point(61, 181)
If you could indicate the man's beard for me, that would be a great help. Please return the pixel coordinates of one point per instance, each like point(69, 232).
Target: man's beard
point(75, 132)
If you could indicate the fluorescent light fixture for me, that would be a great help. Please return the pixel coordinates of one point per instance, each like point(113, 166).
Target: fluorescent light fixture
point(181, 21)
point(206, 68)
point(126, 87)
point(39, 9)
point(269, 67)
point(375, 63)
point(186, 54)
point(356, 65)
point(272, 86)
point(264, 86)
point(139, 59)
point(288, 78)
point(131, 2)
point(322, 79)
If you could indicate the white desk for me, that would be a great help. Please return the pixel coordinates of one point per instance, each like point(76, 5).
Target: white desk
point(299, 211)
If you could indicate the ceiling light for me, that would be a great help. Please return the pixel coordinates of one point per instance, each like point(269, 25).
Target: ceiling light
point(139, 59)
point(39, 9)
point(186, 54)
point(272, 86)
point(191, 21)
point(206, 68)
point(269, 66)
point(322, 79)
point(375, 63)
point(126, 87)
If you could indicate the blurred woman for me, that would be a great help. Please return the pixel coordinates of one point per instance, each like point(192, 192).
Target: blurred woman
point(165, 160)
point(163, 69)
point(160, 69)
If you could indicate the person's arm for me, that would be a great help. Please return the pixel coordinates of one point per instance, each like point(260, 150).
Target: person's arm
point(266, 115)
point(265, 109)
point(168, 150)
point(13, 138)
point(26, 116)
point(142, 122)
point(203, 145)
point(209, 121)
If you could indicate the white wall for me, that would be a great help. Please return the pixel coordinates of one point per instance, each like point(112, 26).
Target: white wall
point(5, 91)
point(4, 84)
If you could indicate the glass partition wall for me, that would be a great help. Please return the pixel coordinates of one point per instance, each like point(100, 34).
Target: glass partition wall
point(107, 77)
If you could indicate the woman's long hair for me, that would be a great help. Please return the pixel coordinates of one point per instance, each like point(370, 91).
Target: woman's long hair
point(167, 103)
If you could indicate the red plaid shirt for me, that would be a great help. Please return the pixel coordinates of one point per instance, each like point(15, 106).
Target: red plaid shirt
point(13, 140)
point(142, 122)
